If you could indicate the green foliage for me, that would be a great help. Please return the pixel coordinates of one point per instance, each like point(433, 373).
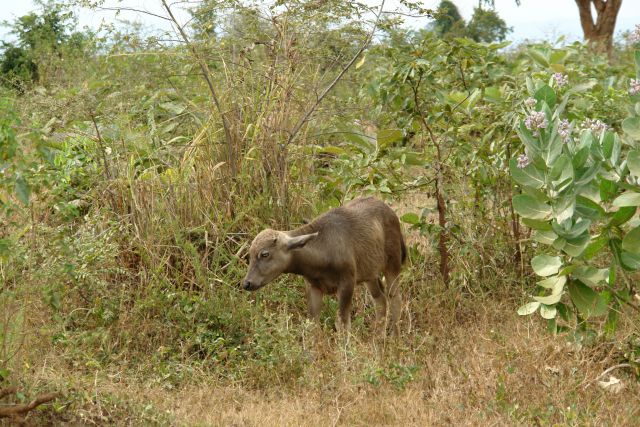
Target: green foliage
point(397, 374)
point(40, 37)
point(448, 21)
point(486, 26)
point(580, 193)
point(18, 175)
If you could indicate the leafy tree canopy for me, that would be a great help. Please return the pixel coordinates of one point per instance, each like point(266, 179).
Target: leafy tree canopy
point(448, 20)
point(37, 33)
point(487, 26)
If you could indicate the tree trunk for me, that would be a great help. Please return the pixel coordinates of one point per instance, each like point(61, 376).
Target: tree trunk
point(442, 215)
point(443, 238)
point(599, 34)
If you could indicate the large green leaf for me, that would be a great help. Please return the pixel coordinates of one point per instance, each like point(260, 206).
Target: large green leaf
point(529, 175)
point(585, 175)
point(589, 302)
point(630, 261)
point(545, 265)
point(575, 247)
point(559, 243)
point(363, 143)
point(590, 275)
point(22, 190)
point(623, 215)
point(631, 241)
point(549, 299)
point(546, 237)
point(528, 207)
point(631, 126)
point(572, 231)
point(552, 151)
point(546, 94)
point(332, 149)
point(555, 283)
point(595, 246)
point(532, 144)
point(537, 224)
point(558, 56)
point(473, 99)
point(386, 137)
point(583, 87)
point(607, 144)
point(630, 198)
point(410, 218)
point(564, 207)
point(559, 166)
point(587, 208)
point(633, 162)
point(493, 94)
point(173, 107)
point(539, 57)
point(580, 157)
point(528, 308)
point(548, 311)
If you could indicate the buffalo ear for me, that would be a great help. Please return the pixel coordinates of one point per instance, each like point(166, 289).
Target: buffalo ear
point(300, 241)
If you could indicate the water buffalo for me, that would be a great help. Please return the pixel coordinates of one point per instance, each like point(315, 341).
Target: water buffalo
point(355, 243)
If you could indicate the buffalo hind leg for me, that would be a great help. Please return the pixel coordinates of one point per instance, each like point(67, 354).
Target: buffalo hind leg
point(377, 292)
point(345, 295)
point(395, 302)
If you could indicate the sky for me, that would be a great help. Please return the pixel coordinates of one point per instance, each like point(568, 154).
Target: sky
point(533, 19)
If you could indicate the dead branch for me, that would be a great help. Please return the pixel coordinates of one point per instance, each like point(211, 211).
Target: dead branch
point(17, 411)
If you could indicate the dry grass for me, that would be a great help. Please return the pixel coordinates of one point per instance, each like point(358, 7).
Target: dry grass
point(477, 363)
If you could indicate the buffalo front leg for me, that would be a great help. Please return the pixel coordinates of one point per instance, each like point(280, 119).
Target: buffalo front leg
point(314, 302)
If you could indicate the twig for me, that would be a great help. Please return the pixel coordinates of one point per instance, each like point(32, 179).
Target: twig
point(101, 143)
point(612, 368)
point(131, 9)
point(307, 115)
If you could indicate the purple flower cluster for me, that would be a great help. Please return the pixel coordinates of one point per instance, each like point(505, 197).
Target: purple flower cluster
point(634, 86)
point(530, 102)
point(561, 79)
point(536, 120)
point(564, 130)
point(523, 161)
point(594, 125)
point(635, 35)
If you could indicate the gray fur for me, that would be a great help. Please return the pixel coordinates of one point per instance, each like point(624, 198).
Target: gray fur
point(355, 243)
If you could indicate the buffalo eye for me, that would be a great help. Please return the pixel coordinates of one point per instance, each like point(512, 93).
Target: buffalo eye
point(264, 254)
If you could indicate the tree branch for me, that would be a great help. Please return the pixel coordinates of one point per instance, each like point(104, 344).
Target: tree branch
point(131, 9)
point(19, 410)
point(307, 115)
point(600, 5)
point(586, 20)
